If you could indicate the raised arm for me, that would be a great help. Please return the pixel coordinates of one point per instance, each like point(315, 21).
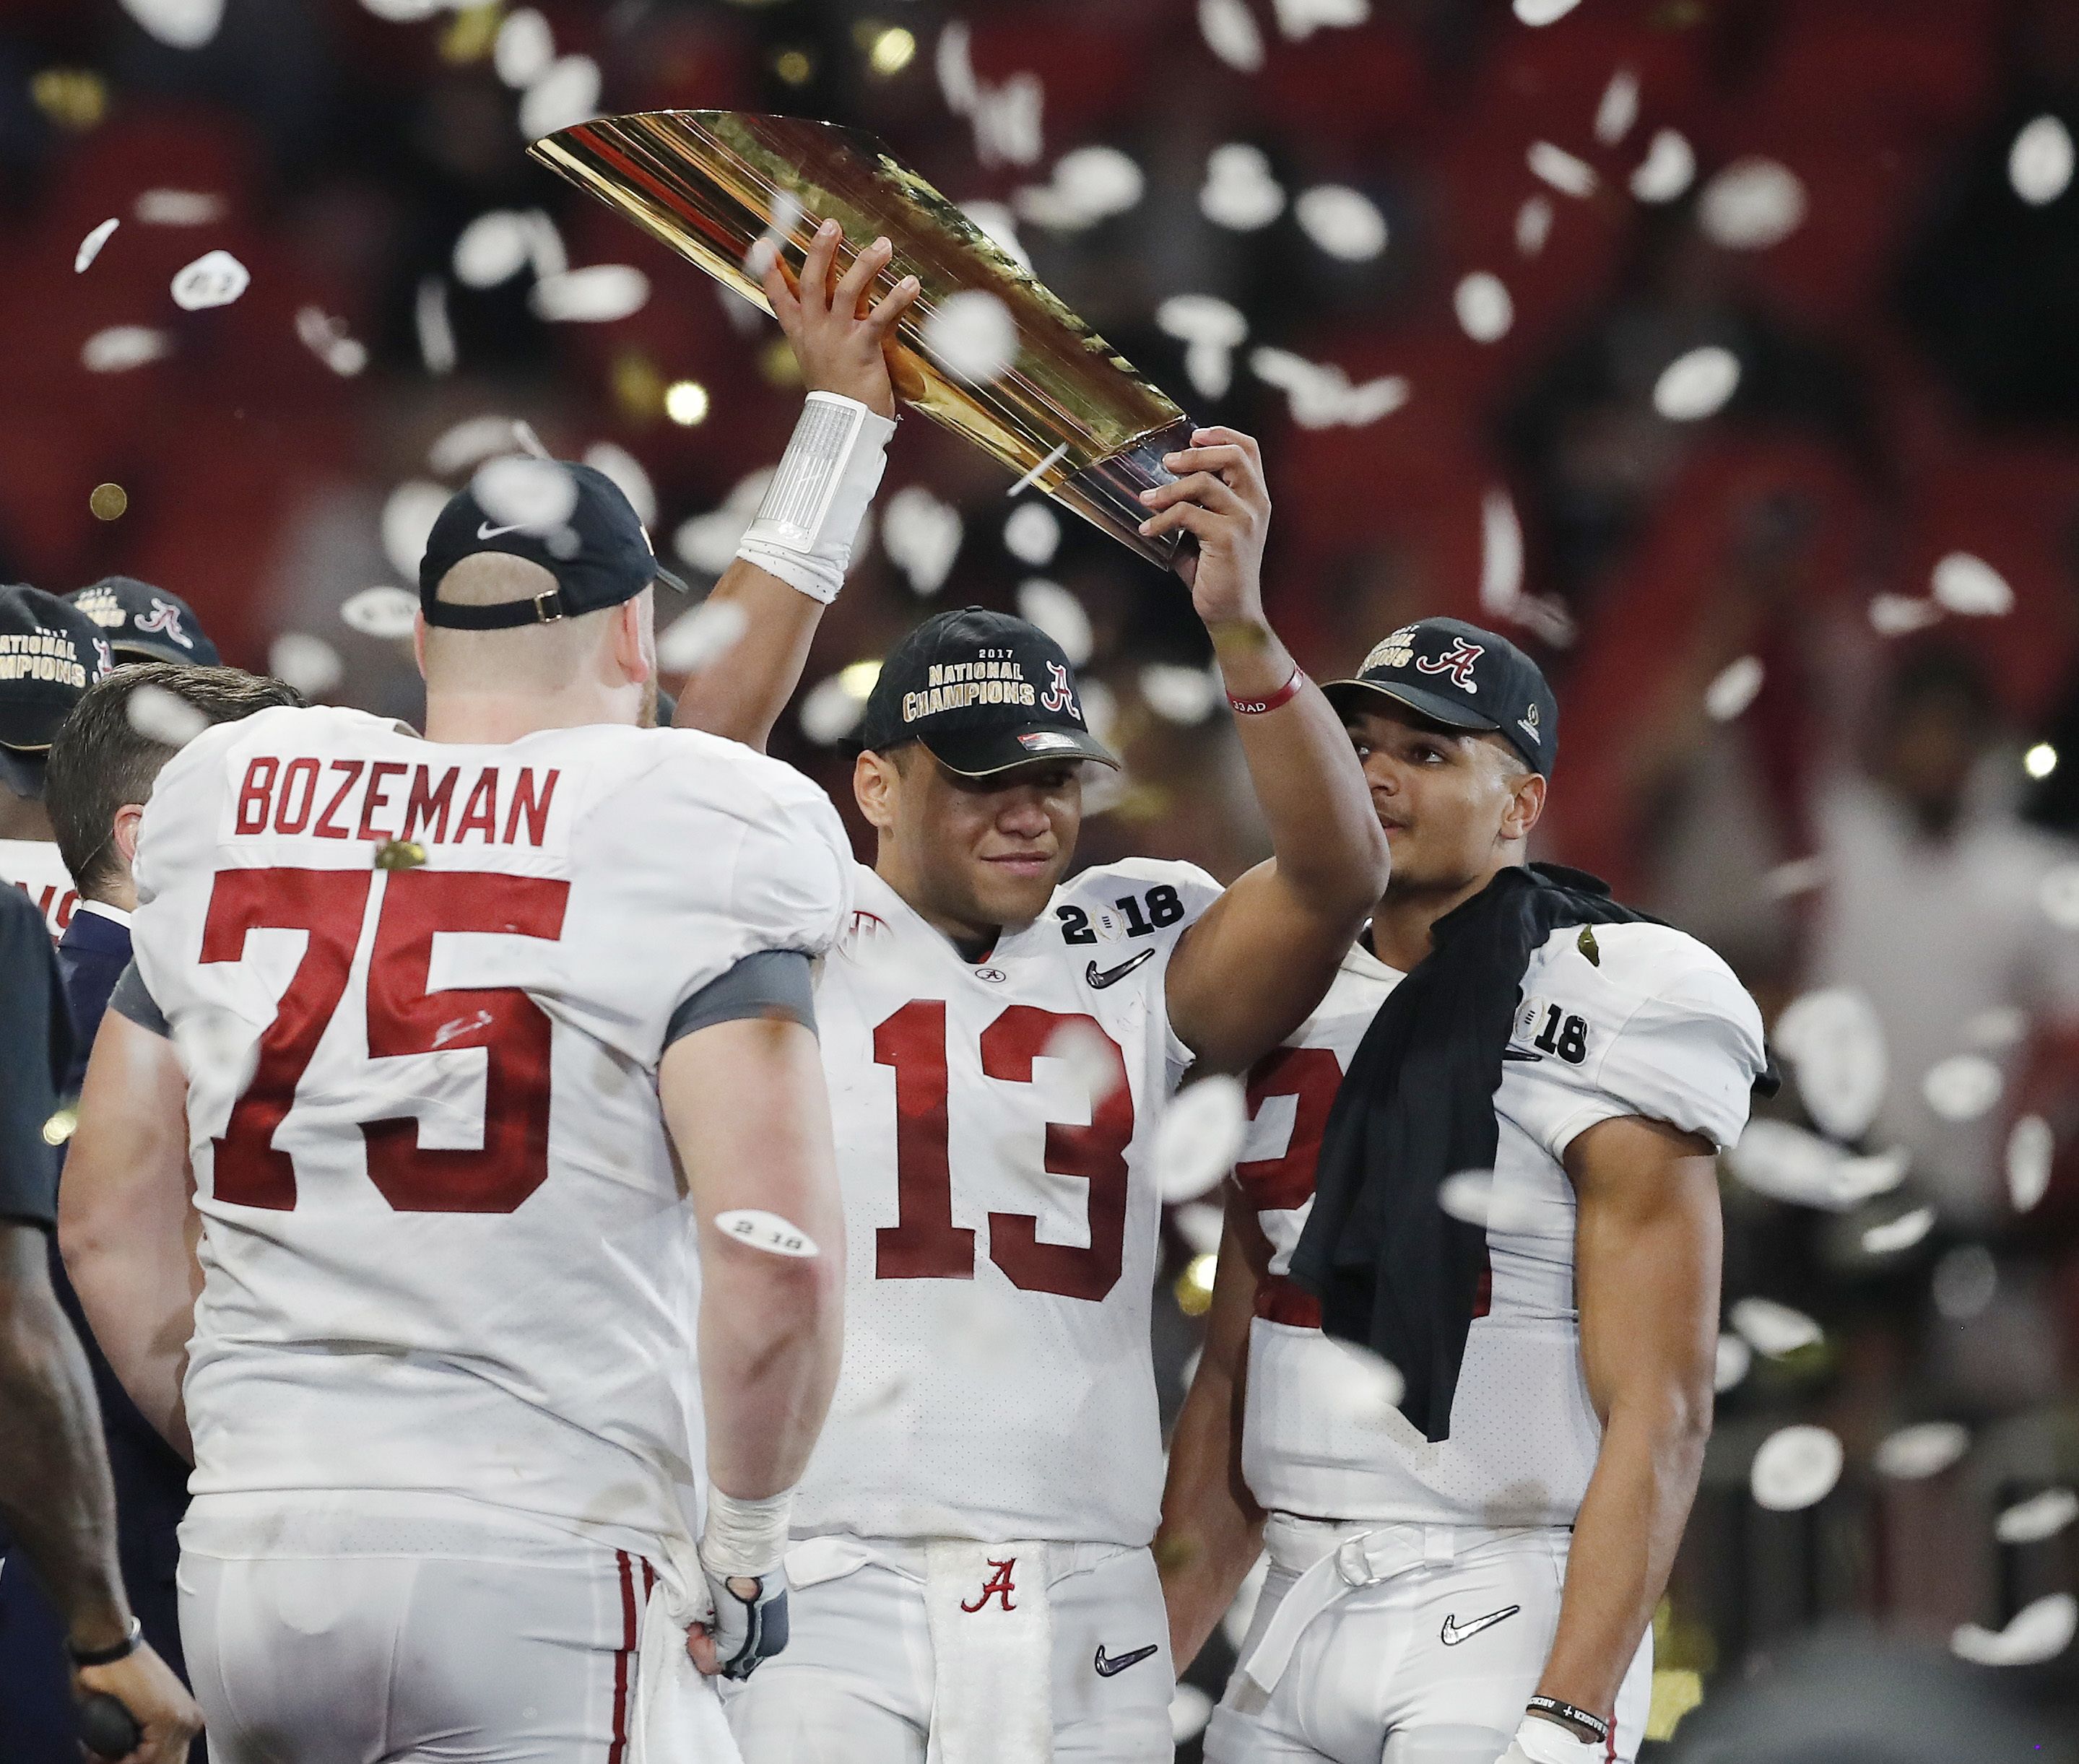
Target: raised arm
point(840, 343)
point(126, 1225)
point(1249, 971)
point(1211, 1531)
point(1646, 1270)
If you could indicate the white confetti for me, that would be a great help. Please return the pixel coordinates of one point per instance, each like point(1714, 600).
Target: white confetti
point(922, 537)
point(1787, 1163)
point(2058, 895)
point(1834, 1043)
point(1178, 694)
point(1299, 19)
point(1060, 615)
point(1797, 1467)
point(831, 711)
point(469, 443)
point(1543, 12)
point(1469, 1197)
point(1101, 715)
point(972, 335)
point(491, 248)
point(308, 663)
point(1007, 120)
point(1962, 1087)
point(698, 639)
point(2000, 1027)
point(1800, 875)
point(953, 63)
point(1971, 586)
point(626, 472)
point(2039, 163)
point(1239, 193)
point(326, 338)
point(122, 347)
point(2040, 1517)
point(768, 1231)
point(383, 611)
point(1189, 1710)
point(215, 279)
point(1773, 1329)
point(1093, 1059)
point(1501, 553)
point(1001, 226)
point(1966, 1280)
point(1898, 615)
point(1230, 30)
point(566, 94)
point(596, 295)
point(408, 514)
point(405, 11)
point(1201, 1224)
point(89, 247)
point(1668, 169)
point(1751, 205)
point(1211, 331)
point(518, 490)
point(2031, 1155)
point(178, 208)
point(1533, 225)
point(1032, 534)
point(179, 24)
point(1343, 222)
point(1733, 1361)
point(164, 716)
point(1199, 1138)
point(1569, 175)
point(525, 49)
point(1484, 308)
point(1089, 184)
point(1618, 109)
point(1914, 1454)
point(2039, 1632)
point(435, 331)
point(1696, 386)
point(1896, 1234)
point(1321, 394)
point(709, 541)
point(1733, 689)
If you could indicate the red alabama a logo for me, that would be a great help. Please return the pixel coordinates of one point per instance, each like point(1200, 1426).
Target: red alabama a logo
point(1457, 661)
point(999, 1587)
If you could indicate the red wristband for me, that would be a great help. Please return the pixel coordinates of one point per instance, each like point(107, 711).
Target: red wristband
point(1284, 694)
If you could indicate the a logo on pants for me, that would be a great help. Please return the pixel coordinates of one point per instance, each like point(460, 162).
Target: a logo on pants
point(999, 1587)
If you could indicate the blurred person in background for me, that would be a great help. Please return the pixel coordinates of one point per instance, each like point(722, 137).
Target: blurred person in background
point(50, 652)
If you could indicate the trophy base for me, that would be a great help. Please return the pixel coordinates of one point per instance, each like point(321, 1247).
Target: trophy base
point(1107, 494)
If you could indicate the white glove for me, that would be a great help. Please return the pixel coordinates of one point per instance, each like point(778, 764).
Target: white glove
point(1541, 1742)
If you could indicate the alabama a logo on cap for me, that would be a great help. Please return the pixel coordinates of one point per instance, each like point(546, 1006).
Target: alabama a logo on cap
point(1457, 661)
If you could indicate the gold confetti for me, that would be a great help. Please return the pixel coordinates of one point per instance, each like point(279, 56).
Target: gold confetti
point(76, 98)
point(108, 502)
point(1586, 944)
point(1194, 1286)
point(400, 854)
point(474, 29)
point(61, 1125)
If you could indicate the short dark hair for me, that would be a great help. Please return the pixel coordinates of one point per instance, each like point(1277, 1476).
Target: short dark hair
point(100, 763)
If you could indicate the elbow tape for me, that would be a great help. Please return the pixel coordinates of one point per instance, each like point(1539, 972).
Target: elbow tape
point(804, 530)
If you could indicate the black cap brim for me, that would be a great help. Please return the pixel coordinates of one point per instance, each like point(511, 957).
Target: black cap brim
point(1347, 695)
point(22, 773)
point(984, 753)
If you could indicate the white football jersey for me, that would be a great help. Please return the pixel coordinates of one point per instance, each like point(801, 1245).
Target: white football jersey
point(994, 1122)
point(35, 867)
point(444, 1244)
point(1652, 1024)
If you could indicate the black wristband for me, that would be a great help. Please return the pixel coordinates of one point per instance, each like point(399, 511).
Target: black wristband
point(1593, 1726)
point(133, 1639)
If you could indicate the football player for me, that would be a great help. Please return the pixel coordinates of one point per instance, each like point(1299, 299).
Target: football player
point(50, 652)
point(492, 1051)
point(972, 1581)
point(1429, 1598)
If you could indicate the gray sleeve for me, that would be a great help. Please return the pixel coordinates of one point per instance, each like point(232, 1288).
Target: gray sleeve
point(765, 982)
point(133, 1001)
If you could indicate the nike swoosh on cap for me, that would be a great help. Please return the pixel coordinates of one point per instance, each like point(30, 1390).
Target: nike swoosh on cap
point(1454, 1632)
point(485, 530)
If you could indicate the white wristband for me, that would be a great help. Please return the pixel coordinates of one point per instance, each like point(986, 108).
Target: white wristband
point(1542, 1741)
point(804, 528)
point(745, 1537)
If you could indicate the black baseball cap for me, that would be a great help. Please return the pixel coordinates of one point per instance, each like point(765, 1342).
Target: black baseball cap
point(982, 691)
point(50, 652)
point(573, 521)
point(1463, 677)
point(145, 623)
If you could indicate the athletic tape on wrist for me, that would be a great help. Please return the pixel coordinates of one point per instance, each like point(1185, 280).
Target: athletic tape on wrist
point(804, 530)
point(745, 1537)
point(1546, 1742)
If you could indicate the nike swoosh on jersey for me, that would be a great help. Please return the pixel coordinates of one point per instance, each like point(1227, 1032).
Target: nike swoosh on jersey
point(485, 530)
point(1454, 1632)
point(1109, 1665)
point(1101, 978)
point(1518, 1053)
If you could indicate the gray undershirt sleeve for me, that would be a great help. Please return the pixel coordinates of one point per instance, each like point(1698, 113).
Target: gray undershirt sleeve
point(767, 983)
point(130, 999)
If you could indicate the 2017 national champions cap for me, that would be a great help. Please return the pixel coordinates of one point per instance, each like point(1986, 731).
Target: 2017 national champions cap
point(982, 691)
point(1463, 677)
point(145, 623)
point(50, 652)
point(570, 519)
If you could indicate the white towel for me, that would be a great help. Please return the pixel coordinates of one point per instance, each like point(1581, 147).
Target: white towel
point(993, 1643)
point(677, 1717)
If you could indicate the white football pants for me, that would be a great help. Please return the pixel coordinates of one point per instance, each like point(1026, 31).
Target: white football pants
point(1083, 1654)
point(1407, 1644)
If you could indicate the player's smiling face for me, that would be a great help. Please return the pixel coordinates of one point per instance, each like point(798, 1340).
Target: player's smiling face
point(1450, 799)
point(971, 854)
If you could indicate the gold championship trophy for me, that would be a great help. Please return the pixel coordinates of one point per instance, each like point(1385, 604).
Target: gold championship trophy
point(1068, 413)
